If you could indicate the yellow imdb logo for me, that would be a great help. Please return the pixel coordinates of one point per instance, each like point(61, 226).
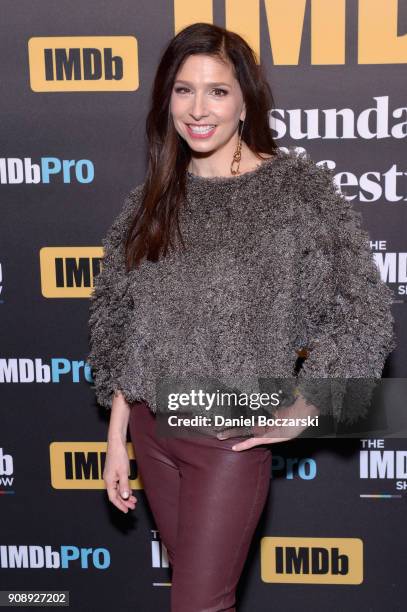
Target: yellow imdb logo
point(79, 465)
point(312, 560)
point(285, 25)
point(68, 272)
point(83, 63)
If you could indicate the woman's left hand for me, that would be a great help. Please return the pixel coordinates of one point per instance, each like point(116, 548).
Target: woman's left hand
point(264, 434)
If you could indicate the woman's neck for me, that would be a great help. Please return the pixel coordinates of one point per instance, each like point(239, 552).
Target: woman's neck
point(216, 166)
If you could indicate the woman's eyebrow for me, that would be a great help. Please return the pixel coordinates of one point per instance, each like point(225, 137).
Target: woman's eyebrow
point(214, 84)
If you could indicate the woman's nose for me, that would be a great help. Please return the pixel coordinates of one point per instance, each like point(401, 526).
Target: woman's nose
point(198, 108)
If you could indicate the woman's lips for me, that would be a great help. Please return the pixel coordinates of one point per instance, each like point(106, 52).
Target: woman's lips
point(207, 134)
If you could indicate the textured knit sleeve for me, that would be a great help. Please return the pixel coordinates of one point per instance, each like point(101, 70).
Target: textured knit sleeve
point(110, 307)
point(345, 319)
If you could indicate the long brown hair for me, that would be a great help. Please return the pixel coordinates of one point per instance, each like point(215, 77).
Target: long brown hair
point(155, 225)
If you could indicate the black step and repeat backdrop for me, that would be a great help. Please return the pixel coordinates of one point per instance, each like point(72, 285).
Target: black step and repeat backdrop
point(75, 82)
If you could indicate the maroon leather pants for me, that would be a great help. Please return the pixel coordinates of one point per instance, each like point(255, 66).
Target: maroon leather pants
point(206, 500)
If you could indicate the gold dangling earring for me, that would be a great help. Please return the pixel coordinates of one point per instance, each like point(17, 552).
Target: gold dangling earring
point(237, 155)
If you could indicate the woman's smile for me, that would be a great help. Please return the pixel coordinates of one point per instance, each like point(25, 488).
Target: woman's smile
point(196, 130)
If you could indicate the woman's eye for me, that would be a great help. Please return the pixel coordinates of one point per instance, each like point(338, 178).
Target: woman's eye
point(218, 91)
point(221, 91)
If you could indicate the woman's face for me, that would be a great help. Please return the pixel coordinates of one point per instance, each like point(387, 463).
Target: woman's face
point(206, 103)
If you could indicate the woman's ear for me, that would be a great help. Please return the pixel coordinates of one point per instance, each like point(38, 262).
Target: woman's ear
point(243, 113)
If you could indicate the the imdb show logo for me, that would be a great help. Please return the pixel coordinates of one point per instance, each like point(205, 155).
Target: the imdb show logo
point(79, 465)
point(68, 272)
point(83, 63)
point(312, 560)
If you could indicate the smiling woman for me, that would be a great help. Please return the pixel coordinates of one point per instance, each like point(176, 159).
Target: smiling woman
point(203, 110)
point(206, 106)
point(228, 259)
point(208, 116)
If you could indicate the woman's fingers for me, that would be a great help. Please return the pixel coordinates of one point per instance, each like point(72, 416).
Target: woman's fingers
point(290, 433)
point(256, 441)
point(275, 433)
point(124, 492)
point(231, 433)
point(115, 493)
point(111, 489)
point(116, 477)
point(124, 487)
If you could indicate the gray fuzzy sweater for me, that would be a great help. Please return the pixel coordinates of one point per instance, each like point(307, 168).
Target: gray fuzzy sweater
point(276, 261)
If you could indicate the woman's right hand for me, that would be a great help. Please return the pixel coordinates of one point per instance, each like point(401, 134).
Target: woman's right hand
point(116, 476)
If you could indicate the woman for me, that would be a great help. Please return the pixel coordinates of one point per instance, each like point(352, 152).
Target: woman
point(229, 258)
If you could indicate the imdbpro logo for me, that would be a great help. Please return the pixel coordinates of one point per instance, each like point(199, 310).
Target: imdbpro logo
point(79, 465)
point(312, 560)
point(83, 63)
point(68, 272)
